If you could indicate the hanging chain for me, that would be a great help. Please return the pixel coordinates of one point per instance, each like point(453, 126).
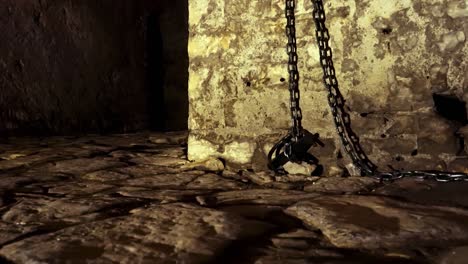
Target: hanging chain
point(294, 93)
point(294, 147)
point(341, 117)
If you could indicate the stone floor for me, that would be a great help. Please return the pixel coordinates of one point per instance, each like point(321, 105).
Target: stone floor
point(135, 199)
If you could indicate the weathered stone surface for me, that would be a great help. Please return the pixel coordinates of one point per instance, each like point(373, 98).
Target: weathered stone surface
point(296, 178)
point(424, 192)
point(301, 169)
point(214, 165)
point(255, 196)
point(335, 171)
point(152, 159)
point(176, 138)
point(260, 178)
point(35, 211)
point(457, 255)
point(158, 234)
point(72, 189)
point(340, 185)
point(11, 231)
point(41, 95)
point(233, 175)
point(389, 60)
point(378, 222)
point(23, 161)
point(81, 166)
point(141, 170)
point(163, 196)
point(105, 176)
point(162, 180)
point(459, 165)
point(215, 182)
point(111, 209)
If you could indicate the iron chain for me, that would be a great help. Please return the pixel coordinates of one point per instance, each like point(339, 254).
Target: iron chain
point(336, 101)
point(294, 93)
point(341, 118)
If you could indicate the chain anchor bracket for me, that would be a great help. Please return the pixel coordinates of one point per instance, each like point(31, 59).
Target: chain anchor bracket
point(291, 149)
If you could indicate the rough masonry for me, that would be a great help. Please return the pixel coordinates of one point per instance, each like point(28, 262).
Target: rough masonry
point(391, 58)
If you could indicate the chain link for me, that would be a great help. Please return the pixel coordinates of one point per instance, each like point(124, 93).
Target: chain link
point(294, 93)
point(341, 117)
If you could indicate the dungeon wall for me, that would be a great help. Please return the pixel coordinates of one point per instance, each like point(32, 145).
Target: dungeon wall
point(401, 64)
point(71, 67)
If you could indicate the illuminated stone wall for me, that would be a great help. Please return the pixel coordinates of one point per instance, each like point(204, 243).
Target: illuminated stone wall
point(391, 57)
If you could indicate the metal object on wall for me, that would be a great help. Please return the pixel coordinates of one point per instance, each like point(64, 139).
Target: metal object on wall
point(341, 117)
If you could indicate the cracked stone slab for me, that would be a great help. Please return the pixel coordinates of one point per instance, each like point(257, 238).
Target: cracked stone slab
point(304, 255)
point(105, 176)
point(260, 178)
point(79, 188)
point(18, 153)
point(172, 233)
point(327, 255)
point(338, 185)
point(150, 170)
point(169, 154)
point(176, 138)
point(296, 178)
point(11, 231)
point(25, 161)
point(154, 159)
point(304, 246)
point(15, 181)
point(75, 150)
point(212, 165)
point(215, 182)
point(11, 181)
point(164, 196)
point(458, 255)
point(372, 222)
point(121, 141)
point(427, 192)
point(164, 180)
point(255, 196)
point(81, 166)
point(175, 152)
point(267, 179)
point(40, 210)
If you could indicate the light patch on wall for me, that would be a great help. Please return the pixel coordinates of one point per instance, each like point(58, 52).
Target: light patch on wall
point(203, 46)
point(386, 8)
point(451, 40)
point(196, 79)
point(200, 149)
point(456, 11)
point(235, 152)
point(239, 152)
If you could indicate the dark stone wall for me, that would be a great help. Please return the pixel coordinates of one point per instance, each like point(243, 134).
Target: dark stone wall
point(69, 67)
point(167, 36)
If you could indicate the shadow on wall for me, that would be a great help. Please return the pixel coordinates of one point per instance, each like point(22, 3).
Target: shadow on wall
point(167, 66)
point(71, 67)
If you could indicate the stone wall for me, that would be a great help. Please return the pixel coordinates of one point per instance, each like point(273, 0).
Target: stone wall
point(390, 56)
point(70, 67)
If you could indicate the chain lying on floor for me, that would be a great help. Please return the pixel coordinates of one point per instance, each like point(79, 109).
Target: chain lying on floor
point(294, 146)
